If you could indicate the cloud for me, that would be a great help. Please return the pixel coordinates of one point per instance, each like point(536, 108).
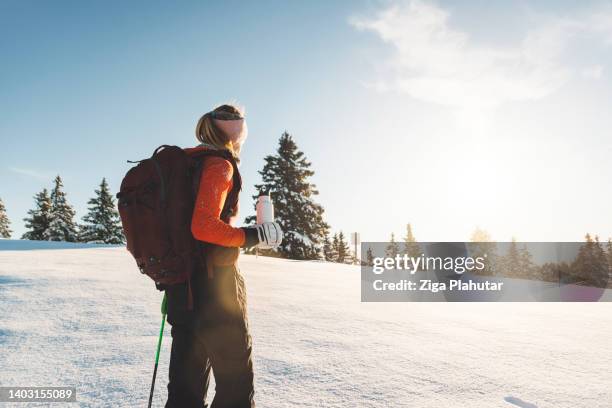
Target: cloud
point(437, 63)
point(31, 173)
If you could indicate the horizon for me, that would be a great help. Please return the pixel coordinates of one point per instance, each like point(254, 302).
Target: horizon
point(448, 117)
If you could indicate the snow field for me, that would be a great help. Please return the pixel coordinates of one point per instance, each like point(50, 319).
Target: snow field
point(87, 318)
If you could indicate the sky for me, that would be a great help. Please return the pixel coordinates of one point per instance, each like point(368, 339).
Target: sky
point(447, 115)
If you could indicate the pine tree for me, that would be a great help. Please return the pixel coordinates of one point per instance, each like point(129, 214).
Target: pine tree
point(393, 248)
point(601, 272)
point(335, 247)
point(412, 248)
point(327, 249)
point(483, 246)
point(590, 268)
point(582, 263)
point(5, 231)
point(609, 256)
point(369, 257)
point(344, 252)
point(102, 224)
point(509, 264)
point(526, 265)
point(38, 221)
point(61, 225)
point(286, 176)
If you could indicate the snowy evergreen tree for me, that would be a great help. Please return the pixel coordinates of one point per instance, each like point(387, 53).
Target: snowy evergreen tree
point(102, 223)
point(61, 225)
point(590, 268)
point(328, 253)
point(509, 264)
point(609, 256)
point(393, 248)
point(5, 231)
point(517, 263)
point(528, 269)
point(343, 251)
point(369, 257)
point(483, 246)
point(286, 177)
point(334, 248)
point(412, 247)
point(602, 267)
point(38, 221)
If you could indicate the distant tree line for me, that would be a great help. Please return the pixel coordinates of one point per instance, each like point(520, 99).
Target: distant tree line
point(591, 267)
point(286, 177)
point(337, 249)
point(52, 218)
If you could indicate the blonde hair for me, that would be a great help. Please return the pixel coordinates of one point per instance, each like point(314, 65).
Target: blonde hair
point(207, 132)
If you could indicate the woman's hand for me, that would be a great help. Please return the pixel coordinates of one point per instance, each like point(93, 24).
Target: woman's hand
point(264, 236)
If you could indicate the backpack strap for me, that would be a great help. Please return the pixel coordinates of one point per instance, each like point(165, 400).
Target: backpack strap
point(232, 197)
point(231, 200)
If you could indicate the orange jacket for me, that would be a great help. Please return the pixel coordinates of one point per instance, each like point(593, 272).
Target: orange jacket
point(215, 184)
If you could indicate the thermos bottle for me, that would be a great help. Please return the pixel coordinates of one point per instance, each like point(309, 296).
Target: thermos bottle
point(264, 209)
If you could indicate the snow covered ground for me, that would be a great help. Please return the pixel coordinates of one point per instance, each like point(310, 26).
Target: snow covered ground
point(87, 318)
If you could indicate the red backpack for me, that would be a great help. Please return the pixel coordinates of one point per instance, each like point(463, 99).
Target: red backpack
point(156, 202)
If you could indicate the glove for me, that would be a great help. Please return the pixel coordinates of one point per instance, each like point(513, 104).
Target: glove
point(263, 236)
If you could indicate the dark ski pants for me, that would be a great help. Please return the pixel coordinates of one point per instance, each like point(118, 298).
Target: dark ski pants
point(218, 339)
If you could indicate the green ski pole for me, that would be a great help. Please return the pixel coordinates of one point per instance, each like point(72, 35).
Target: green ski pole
point(161, 333)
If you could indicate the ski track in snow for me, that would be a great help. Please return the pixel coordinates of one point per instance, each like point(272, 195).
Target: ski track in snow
point(87, 318)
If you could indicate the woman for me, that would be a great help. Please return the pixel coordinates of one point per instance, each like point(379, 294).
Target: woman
point(215, 334)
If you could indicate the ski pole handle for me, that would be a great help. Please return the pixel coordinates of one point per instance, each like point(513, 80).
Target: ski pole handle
point(164, 305)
